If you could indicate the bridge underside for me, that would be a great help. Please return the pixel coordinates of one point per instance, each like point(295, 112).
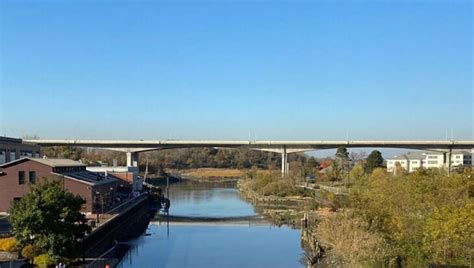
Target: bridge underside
point(133, 148)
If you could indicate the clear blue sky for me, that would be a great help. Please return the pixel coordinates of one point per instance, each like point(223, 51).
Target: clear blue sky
point(234, 70)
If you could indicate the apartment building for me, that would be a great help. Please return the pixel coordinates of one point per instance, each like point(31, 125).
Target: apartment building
point(429, 159)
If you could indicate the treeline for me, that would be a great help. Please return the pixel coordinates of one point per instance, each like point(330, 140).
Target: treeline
point(87, 156)
point(339, 168)
point(215, 158)
point(183, 158)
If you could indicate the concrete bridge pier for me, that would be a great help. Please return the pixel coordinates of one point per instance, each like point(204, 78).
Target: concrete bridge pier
point(284, 163)
point(132, 159)
point(284, 151)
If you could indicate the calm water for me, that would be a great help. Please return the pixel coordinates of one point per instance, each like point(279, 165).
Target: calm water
point(223, 244)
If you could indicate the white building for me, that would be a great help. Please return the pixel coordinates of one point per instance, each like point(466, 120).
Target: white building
point(409, 161)
point(413, 160)
point(129, 174)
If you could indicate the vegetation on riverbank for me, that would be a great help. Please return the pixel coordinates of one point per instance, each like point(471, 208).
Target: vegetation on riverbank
point(415, 219)
point(213, 174)
point(277, 198)
point(272, 183)
point(421, 218)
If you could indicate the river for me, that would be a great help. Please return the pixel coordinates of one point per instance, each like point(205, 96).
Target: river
point(218, 229)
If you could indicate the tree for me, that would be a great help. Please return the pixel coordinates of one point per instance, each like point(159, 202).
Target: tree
point(358, 157)
point(374, 160)
point(310, 167)
point(448, 237)
point(425, 216)
point(49, 219)
point(342, 153)
point(342, 161)
point(357, 172)
point(399, 170)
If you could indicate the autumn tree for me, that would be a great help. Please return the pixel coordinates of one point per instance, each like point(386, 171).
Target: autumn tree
point(425, 216)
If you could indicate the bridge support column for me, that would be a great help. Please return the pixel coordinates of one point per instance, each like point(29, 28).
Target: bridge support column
point(132, 159)
point(449, 160)
point(284, 162)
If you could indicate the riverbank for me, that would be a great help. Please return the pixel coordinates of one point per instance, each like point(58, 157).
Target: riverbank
point(280, 210)
point(210, 174)
point(298, 207)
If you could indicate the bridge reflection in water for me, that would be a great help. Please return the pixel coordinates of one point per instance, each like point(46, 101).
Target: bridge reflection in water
point(213, 227)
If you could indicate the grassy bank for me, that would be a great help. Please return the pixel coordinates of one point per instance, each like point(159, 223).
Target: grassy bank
point(212, 174)
point(277, 198)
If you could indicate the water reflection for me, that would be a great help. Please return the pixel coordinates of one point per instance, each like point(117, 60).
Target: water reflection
point(253, 244)
point(199, 199)
point(205, 245)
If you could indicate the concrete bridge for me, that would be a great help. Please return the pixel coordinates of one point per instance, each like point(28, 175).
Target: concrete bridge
point(133, 148)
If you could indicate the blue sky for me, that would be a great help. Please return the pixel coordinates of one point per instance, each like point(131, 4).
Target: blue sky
point(236, 69)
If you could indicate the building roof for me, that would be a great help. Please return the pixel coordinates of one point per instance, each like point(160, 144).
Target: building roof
point(422, 155)
point(87, 177)
point(4, 139)
point(58, 162)
point(461, 152)
point(52, 162)
point(409, 156)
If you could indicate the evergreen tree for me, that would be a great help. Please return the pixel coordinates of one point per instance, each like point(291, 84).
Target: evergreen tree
point(342, 160)
point(373, 161)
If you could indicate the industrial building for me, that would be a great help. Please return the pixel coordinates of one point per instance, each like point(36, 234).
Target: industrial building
point(17, 176)
point(12, 149)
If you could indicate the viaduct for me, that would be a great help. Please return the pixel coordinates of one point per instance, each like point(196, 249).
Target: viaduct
point(133, 148)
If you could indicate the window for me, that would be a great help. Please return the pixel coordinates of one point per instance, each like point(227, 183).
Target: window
point(433, 162)
point(414, 162)
point(16, 199)
point(21, 177)
point(432, 157)
point(3, 157)
point(32, 177)
point(458, 157)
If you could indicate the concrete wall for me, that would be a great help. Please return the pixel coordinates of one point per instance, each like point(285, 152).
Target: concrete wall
point(129, 224)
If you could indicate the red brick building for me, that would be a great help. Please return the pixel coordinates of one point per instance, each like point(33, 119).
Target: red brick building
point(16, 178)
